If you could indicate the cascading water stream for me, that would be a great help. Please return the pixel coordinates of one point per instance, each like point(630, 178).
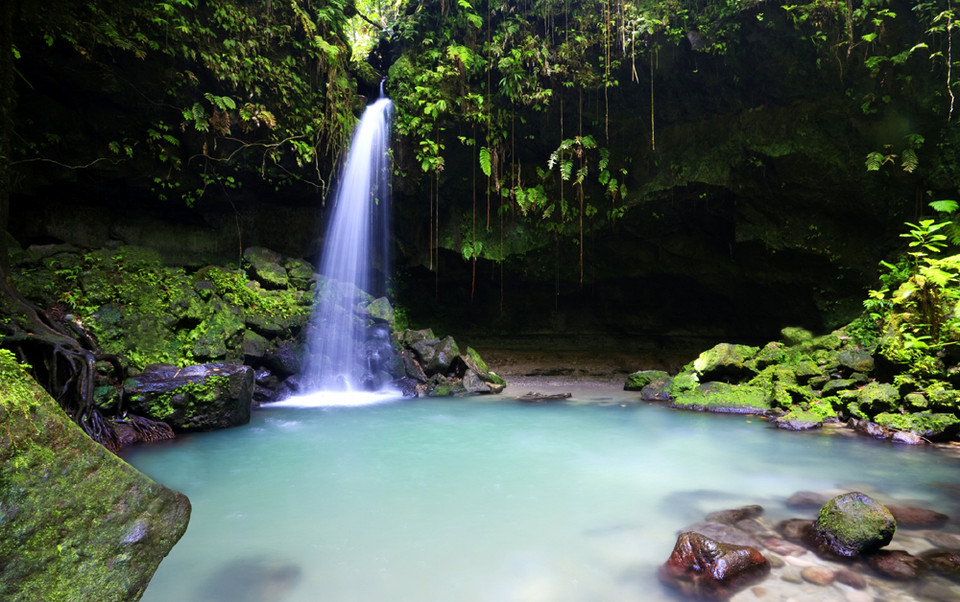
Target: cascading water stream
point(342, 354)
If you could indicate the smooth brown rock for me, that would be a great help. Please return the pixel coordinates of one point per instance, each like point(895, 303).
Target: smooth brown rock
point(897, 564)
point(818, 575)
point(909, 516)
point(704, 567)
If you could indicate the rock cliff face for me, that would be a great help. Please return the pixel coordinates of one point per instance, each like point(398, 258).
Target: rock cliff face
point(76, 522)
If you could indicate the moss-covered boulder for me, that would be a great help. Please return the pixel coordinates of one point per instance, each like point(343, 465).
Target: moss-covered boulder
point(935, 426)
point(196, 398)
point(725, 361)
point(875, 398)
point(76, 522)
point(265, 265)
point(798, 420)
point(724, 398)
point(636, 381)
point(852, 524)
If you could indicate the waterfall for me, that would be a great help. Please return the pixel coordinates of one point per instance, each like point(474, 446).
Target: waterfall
point(342, 353)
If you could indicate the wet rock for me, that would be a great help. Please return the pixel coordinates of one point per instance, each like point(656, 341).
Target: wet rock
point(724, 533)
point(725, 362)
point(852, 524)
point(795, 335)
point(818, 575)
point(657, 391)
point(380, 310)
point(897, 564)
point(638, 380)
point(795, 529)
point(836, 385)
point(783, 547)
point(946, 562)
point(869, 429)
point(907, 438)
point(807, 499)
point(196, 398)
point(701, 566)
point(412, 367)
point(910, 516)
point(284, 360)
point(254, 347)
point(851, 578)
point(735, 515)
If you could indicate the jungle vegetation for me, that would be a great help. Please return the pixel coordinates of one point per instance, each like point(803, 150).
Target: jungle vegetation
point(547, 111)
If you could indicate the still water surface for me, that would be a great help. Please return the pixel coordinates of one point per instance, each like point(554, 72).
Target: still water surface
point(486, 499)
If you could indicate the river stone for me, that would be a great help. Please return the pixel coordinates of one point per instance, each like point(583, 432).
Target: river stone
point(703, 567)
point(818, 575)
point(723, 532)
point(196, 398)
point(636, 381)
point(735, 515)
point(870, 429)
point(807, 499)
point(910, 516)
point(435, 356)
point(795, 529)
point(76, 522)
point(852, 524)
point(851, 578)
point(284, 360)
point(897, 564)
point(796, 421)
point(946, 562)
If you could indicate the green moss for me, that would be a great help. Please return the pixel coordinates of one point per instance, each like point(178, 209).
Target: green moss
point(926, 424)
point(69, 509)
point(638, 380)
point(723, 397)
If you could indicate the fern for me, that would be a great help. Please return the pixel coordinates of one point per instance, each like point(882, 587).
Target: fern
point(874, 161)
point(485, 161)
point(908, 160)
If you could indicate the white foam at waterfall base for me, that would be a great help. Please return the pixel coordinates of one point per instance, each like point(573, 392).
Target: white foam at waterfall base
point(326, 399)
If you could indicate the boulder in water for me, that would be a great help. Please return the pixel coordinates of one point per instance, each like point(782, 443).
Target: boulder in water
point(196, 398)
point(852, 524)
point(703, 567)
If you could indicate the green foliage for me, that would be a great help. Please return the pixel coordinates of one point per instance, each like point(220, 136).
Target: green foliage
point(210, 92)
point(915, 311)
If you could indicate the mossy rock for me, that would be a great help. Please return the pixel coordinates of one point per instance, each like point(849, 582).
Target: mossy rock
point(77, 522)
point(833, 386)
point(795, 335)
point(930, 425)
point(853, 524)
point(857, 359)
point(683, 382)
point(636, 381)
point(798, 420)
point(724, 398)
point(725, 361)
point(380, 310)
point(875, 398)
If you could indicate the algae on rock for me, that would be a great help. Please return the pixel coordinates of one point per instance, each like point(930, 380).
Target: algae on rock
point(76, 522)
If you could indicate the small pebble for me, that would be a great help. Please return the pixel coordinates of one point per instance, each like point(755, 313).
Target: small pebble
point(782, 546)
point(818, 575)
point(759, 591)
point(800, 562)
point(775, 561)
point(791, 578)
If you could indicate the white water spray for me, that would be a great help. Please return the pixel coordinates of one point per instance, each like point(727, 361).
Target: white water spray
point(342, 355)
